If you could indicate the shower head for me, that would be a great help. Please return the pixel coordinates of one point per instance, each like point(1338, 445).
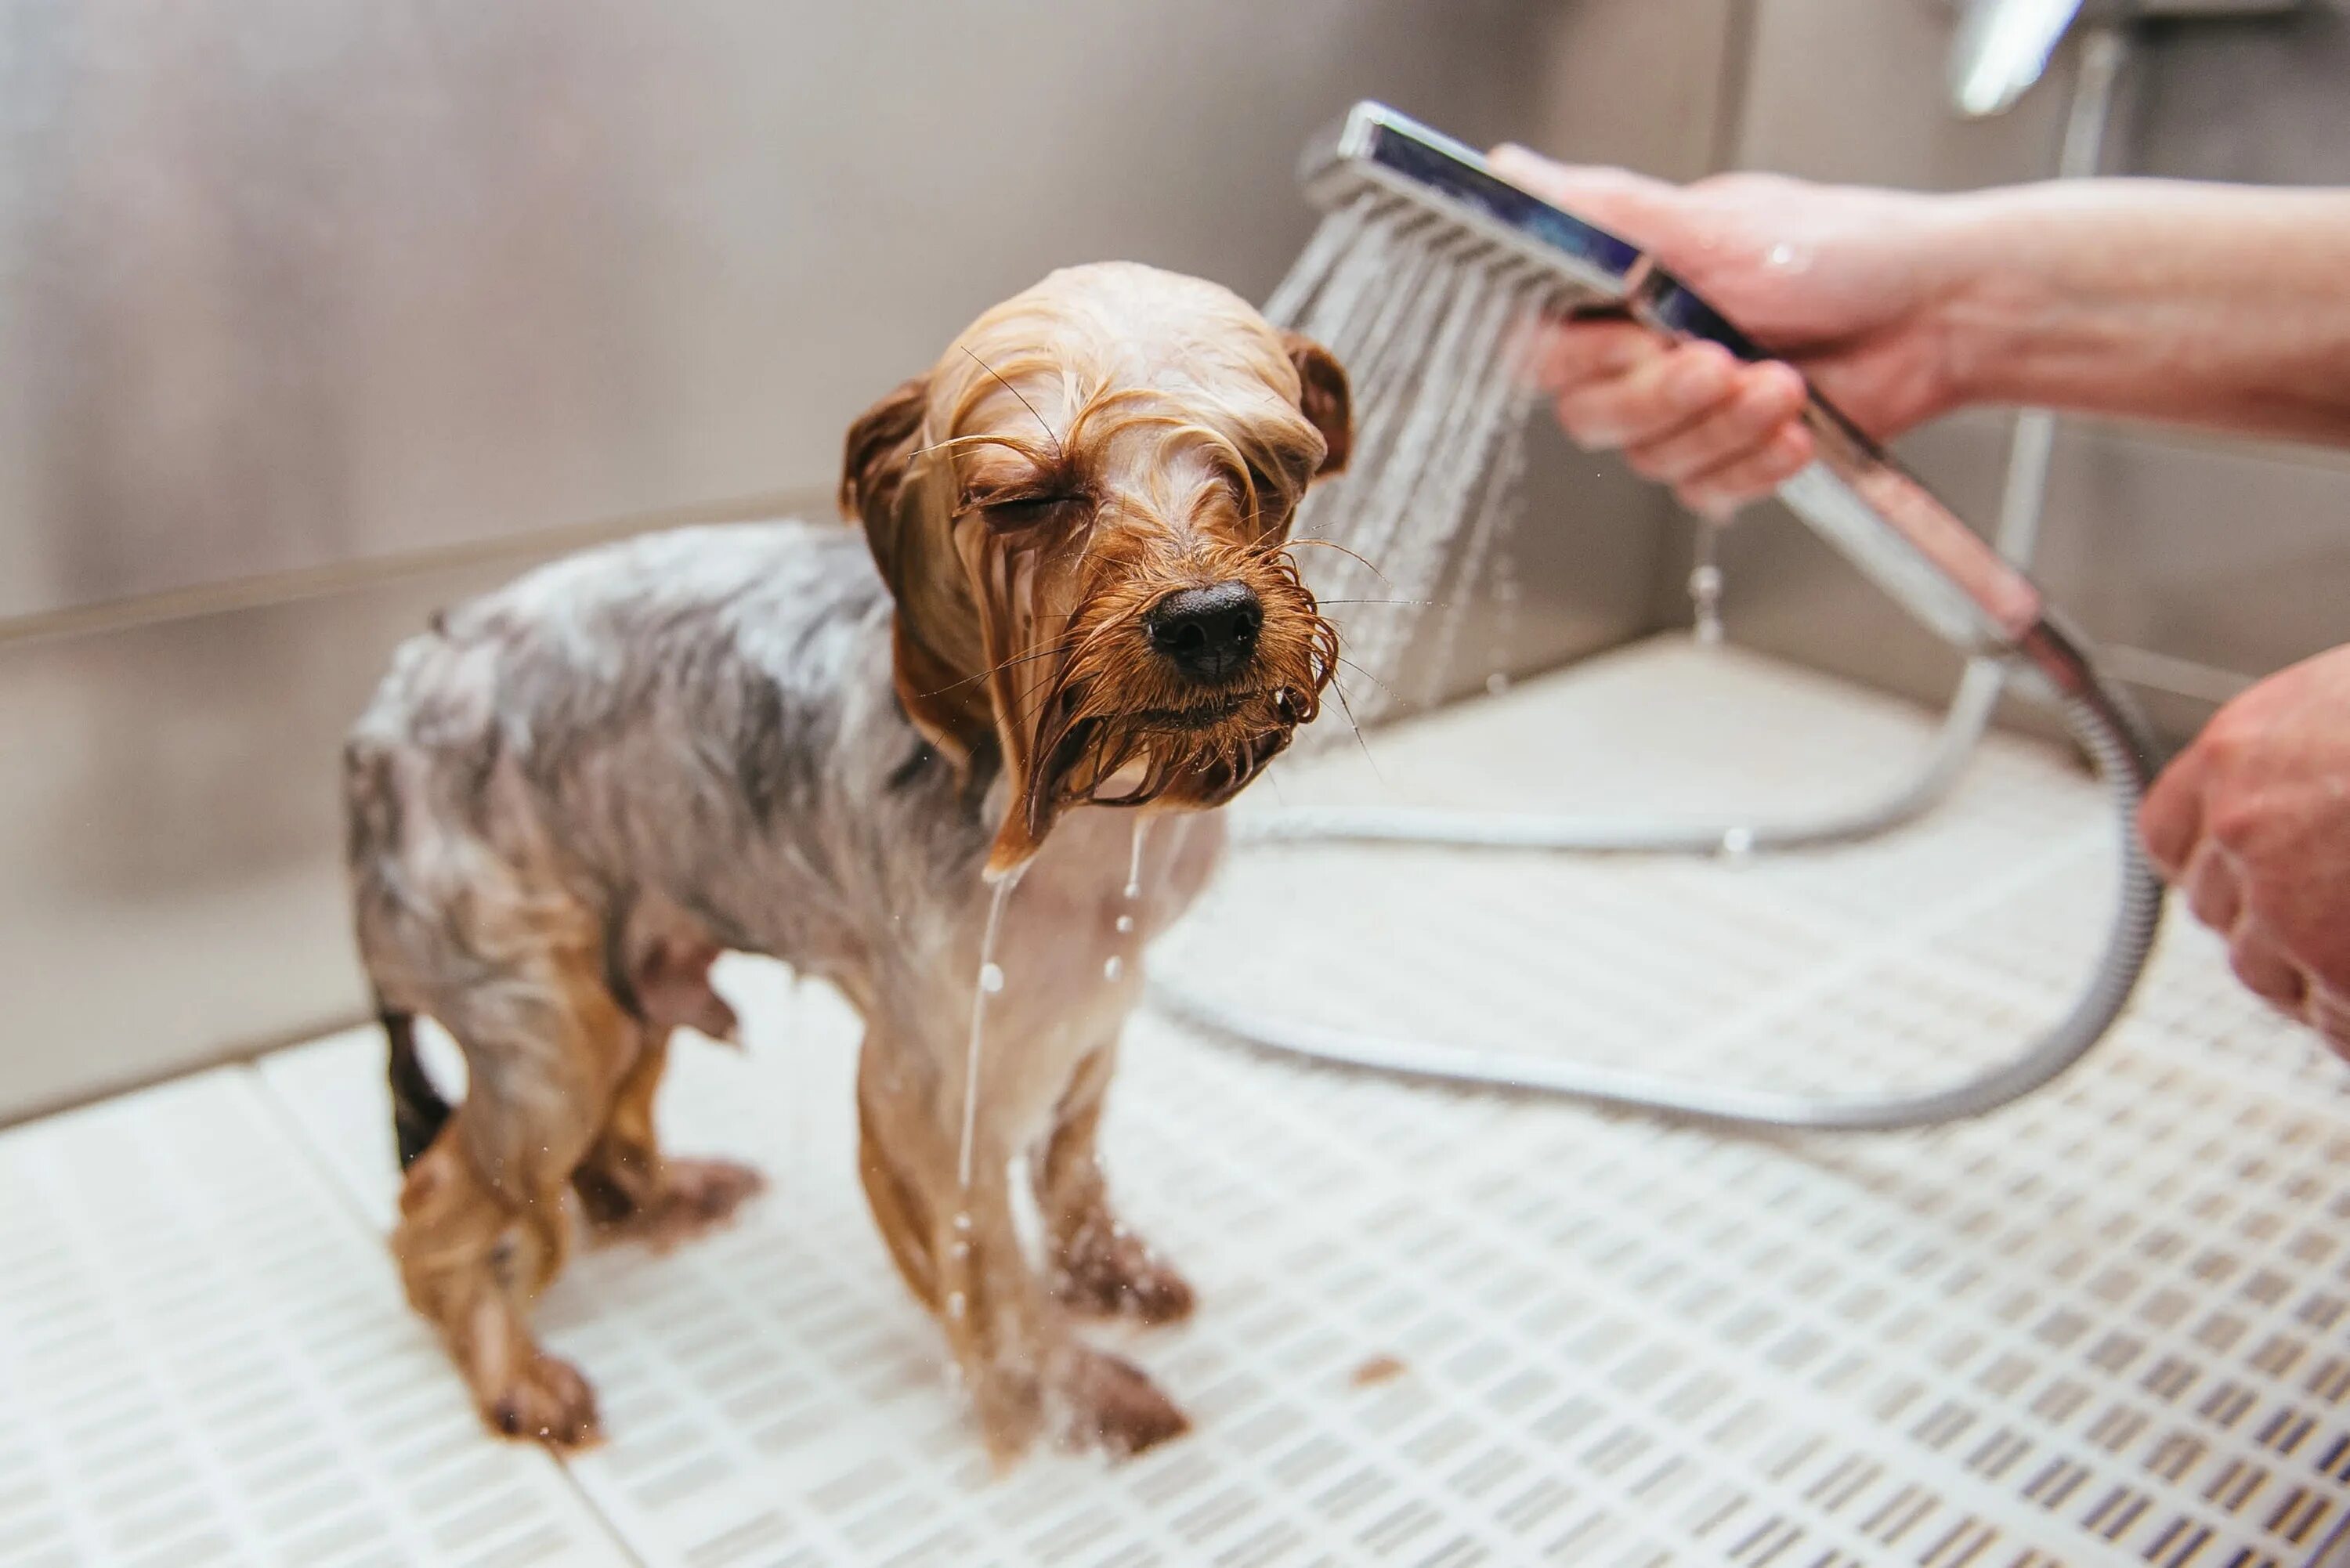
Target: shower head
point(1379, 161)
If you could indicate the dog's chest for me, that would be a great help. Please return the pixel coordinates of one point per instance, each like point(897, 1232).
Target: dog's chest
point(1104, 884)
point(1066, 966)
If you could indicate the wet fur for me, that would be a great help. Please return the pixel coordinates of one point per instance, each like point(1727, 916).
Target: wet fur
point(569, 796)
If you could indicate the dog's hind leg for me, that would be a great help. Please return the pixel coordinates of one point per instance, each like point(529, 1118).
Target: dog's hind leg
point(630, 1191)
point(483, 1226)
point(417, 1111)
point(1096, 1265)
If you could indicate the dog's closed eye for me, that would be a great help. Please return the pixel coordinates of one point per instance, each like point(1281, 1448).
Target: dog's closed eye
point(1024, 514)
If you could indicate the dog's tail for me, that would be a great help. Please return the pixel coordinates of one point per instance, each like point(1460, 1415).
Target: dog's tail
point(417, 1111)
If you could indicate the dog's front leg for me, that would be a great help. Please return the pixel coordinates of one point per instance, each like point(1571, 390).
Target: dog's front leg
point(1097, 1265)
point(956, 1244)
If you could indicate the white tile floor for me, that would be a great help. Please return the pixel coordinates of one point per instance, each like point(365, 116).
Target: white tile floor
point(2111, 1324)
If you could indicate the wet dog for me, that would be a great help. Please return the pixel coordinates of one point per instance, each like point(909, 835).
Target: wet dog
point(1072, 614)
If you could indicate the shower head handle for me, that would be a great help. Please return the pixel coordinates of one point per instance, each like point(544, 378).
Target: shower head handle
point(1853, 494)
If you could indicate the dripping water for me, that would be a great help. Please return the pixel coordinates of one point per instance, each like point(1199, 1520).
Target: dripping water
point(1134, 862)
point(989, 981)
point(1114, 965)
point(1705, 585)
point(1434, 334)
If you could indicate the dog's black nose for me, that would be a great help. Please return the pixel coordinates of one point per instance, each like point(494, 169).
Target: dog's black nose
point(1207, 633)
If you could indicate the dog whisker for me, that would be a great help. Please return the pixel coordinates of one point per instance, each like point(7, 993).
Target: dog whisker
point(1014, 659)
point(1017, 660)
point(1334, 545)
point(1076, 654)
point(1338, 687)
point(972, 438)
point(1366, 675)
point(1078, 549)
point(1058, 451)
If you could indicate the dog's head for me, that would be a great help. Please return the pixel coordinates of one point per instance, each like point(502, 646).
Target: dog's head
point(1083, 513)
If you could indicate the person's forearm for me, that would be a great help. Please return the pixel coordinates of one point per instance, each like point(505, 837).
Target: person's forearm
point(2208, 305)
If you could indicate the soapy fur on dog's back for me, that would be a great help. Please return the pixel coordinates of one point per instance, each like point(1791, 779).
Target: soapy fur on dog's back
point(746, 667)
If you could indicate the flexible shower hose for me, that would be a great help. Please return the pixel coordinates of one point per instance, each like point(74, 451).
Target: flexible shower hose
point(2097, 716)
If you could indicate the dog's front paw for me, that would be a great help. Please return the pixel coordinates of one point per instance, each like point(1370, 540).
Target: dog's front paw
point(1111, 1403)
point(1107, 1271)
point(691, 1196)
point(1009, 1403)
point(545, 1400)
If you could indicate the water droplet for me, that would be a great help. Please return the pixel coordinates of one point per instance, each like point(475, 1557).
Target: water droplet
point(962, 1222)
point(1497, 682)
point(991, 978)
point(1705, 585)
point(1738, 841)
point(1113, 968)
point(959, 1249)
point(1134, 858)
point(1125, 924)
point(956, 1306)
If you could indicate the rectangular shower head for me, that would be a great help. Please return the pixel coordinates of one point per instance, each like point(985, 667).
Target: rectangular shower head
point(1389, 167)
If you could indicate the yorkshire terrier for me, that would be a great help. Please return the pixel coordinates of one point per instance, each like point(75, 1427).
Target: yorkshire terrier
point(1074, 609)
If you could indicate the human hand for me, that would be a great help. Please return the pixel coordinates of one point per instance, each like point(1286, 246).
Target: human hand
point(1844, 283)
point(2253, 822)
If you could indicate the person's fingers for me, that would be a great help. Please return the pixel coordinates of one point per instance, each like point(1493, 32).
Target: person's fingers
point(1657, 395)
point(1646, 212)
point(1725, 487)
point(1763, 399)
point(2215, 891)
point(2265, 969)
point(1574, 354)
point(2171, 818)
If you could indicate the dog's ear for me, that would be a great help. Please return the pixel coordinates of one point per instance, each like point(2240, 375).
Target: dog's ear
point(936, 630)
point(1322, 393)
point(873, 462)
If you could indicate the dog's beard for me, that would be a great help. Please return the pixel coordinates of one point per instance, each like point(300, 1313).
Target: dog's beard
point(1091, 715)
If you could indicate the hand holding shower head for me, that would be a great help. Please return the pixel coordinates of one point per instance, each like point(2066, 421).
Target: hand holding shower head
point(1855, 495)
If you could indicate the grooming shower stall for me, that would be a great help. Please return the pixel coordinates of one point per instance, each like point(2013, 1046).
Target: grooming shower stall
point(326, 315)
